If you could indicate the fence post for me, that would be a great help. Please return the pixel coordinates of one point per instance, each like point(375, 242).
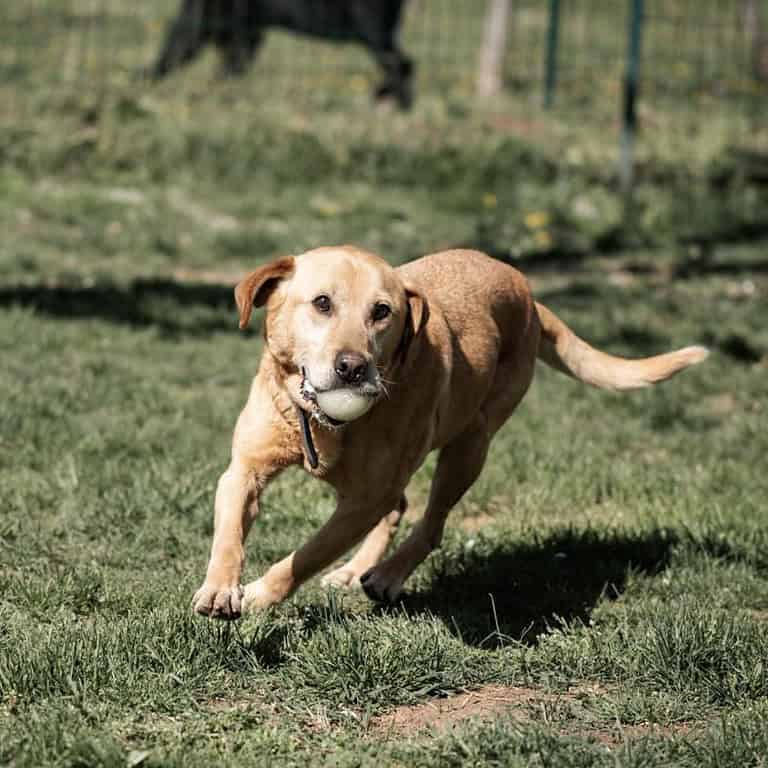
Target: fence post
point(550, 63)
point(629, 106)
point(492, 48)
point(757, 39)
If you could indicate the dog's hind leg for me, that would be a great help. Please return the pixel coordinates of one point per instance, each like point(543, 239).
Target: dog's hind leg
point(352, 520)
point(238, 53)
point(398, 77)
point(377, 29)
point(458, 466)
point(240, 35)
point(371, 551)
point(184, 40)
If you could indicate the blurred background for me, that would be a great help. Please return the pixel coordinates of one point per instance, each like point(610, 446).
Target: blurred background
point(542, 131)
point(548, 133)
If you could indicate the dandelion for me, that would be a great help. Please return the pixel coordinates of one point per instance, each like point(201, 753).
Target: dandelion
point(536, 219)
point(489, 200)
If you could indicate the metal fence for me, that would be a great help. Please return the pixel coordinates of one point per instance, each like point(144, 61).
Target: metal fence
point(695, 60)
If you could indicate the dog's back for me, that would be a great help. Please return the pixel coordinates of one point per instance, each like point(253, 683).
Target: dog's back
point(483, 319)
point(370, 21)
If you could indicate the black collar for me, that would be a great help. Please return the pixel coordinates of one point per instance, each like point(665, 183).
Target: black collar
point(306, 434)
point(306, 438)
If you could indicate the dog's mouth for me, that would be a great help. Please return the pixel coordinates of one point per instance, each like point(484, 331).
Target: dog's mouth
point(309, 394)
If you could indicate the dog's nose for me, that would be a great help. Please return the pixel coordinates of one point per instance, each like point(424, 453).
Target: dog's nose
point(350, 367)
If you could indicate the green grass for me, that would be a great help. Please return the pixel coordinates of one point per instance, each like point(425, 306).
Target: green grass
point(620, 540)
point(612, 559)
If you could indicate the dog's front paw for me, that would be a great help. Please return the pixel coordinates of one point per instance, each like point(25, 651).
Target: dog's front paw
point(219, 602)
point(343, 577)
point(381, 586)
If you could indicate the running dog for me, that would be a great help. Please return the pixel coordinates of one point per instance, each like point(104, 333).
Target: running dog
point(365, 370)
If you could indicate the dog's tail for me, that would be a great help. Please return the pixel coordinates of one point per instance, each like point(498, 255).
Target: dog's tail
point(563, 350)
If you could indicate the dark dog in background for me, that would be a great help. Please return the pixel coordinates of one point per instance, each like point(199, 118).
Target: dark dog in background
point(236, 28)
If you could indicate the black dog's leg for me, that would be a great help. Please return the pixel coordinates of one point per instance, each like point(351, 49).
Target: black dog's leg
point(377, 23)
point(186, 36)
point(239, 34)
point(238, 54)
point(398, 77)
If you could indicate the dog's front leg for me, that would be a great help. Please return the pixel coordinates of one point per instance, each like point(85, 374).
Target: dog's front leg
point(348, 524)
point(260, 449)
point(220, 597)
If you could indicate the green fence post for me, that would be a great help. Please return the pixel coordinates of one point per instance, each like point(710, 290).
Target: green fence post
point(629, 107)
point(550, 64)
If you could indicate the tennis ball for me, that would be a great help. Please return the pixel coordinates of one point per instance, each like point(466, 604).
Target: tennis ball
point(344, 404)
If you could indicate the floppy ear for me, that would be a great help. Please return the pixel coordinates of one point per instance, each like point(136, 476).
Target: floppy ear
point(254, 289)
point(418, 310)
point(418, 315)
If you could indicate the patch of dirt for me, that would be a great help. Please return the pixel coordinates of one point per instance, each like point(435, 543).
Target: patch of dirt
point(517, 702)
point(758, 615)
point(443, 714)
point(486, 702)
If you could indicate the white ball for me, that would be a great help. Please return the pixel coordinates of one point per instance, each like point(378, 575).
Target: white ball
point(344, 404)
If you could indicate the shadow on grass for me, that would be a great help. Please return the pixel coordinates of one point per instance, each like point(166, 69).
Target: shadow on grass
point(704, 265)
point(520, 593)
point(171, 307)
point(199, 309)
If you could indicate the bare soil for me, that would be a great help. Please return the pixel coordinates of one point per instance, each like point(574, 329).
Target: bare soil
point(517, 702)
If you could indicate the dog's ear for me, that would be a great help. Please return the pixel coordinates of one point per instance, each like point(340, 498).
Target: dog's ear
point(418, 315)
point(418, 310)
point(254, 289)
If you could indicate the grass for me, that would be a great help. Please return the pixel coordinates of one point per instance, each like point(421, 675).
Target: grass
point(611, 562)
point(612, 540)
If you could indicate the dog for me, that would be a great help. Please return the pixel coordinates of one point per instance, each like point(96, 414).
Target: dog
point(236, 28)
point(441, 350)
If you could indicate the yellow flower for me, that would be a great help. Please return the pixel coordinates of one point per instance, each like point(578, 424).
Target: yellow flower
point(543, 239)
point(536, 219)
point(489, 200)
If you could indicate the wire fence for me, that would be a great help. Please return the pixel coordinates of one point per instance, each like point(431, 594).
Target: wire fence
point(701, 60)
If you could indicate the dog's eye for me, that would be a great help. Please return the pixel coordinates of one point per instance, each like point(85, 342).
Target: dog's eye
point(322, 303)
point(380, 312)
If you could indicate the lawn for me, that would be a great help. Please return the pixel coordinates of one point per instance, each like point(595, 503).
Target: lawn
point(601, 597)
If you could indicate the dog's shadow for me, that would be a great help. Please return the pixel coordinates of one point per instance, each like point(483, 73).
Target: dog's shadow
point(518, 593)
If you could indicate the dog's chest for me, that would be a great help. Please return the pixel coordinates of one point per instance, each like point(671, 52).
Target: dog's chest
point(365, 460)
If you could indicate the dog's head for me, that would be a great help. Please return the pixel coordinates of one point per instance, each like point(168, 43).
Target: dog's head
point(337, 318)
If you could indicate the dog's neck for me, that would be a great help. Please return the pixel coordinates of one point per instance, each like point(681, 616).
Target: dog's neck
point(320, 445)
point(311, 455)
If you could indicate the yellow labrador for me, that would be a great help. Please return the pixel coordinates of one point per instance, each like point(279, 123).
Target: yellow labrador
point(439, 351)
